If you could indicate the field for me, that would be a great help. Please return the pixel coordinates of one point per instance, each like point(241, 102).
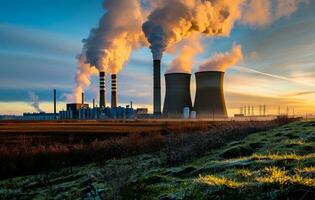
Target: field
point(179, 160)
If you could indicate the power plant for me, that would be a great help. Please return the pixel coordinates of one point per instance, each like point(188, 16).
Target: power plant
point(209, 100)
point(177, 95)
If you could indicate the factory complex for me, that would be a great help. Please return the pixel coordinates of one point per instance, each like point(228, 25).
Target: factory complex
point(209, 100)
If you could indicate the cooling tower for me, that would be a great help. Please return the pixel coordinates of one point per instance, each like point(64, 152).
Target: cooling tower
point(209, 101)
point(114, 91)
point(102, 90)
point(157, 87)
point(177, 95)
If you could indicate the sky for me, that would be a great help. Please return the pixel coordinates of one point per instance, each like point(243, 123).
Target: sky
point(40, 39)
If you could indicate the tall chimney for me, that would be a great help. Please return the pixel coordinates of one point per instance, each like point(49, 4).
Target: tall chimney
point(114, 91)
point(82, 98)
point(209, 100)
point(177, 95)
point(93, 103)
point(157, 87)
point(55, 104)
point(102, 90)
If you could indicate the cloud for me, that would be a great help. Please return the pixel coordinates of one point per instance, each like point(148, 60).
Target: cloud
point(28, 40)
point(188, 49)
point(294, 80)
point(299, 94)
point(222, 61)
point(286, 7)
point(258, 13)
point(32, 72)
point(254, 55)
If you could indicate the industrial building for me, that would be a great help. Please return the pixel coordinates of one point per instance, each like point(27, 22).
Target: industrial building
point(87, 113)
point(42, 116)
point(82, 111)
point(209, 100)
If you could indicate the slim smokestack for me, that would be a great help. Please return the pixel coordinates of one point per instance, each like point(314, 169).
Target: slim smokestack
point(93, 103)
point(82, 98)
point(55, 104)
point(177, 95)
point(114, 91)
point(209, 101)
point(102, 90)
point(157, 87)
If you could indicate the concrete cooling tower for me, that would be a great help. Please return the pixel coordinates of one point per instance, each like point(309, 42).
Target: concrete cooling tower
point(177, 95)
point(209, 101)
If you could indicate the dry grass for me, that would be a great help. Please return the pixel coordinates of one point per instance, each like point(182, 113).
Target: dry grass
point(29, 147)
point(218, 181)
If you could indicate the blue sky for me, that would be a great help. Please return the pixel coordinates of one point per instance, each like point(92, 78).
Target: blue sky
point(39, 40)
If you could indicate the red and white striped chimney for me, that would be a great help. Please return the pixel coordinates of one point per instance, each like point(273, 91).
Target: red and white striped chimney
point(114, 91)
point(102, 90)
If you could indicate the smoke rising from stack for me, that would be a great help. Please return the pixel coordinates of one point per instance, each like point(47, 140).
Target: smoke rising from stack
point(222, 61)
point(119, 31)
point(178, 19)
point(184, 61)
point(109, 45)
point(82, 78)
point(35, 101)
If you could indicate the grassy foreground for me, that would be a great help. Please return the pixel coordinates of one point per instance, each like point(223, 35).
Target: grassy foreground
point(276, 164)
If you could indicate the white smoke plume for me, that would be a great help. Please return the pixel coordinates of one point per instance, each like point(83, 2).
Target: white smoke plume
point(109, 45)
point(188, 50)
point(167, 22)
point(222, 61)
point(82, 79)
point(119, 32)
point(35, 101)
point(175, 20)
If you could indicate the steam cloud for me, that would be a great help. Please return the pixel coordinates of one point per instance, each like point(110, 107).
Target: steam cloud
point(110, 44)
point(222, 61)
point(130, 24)
point(184, 61)
point(178, 19)
point(35, 101)
point(82, 78)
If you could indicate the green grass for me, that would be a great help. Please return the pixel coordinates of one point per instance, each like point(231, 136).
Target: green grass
point(276, 164)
